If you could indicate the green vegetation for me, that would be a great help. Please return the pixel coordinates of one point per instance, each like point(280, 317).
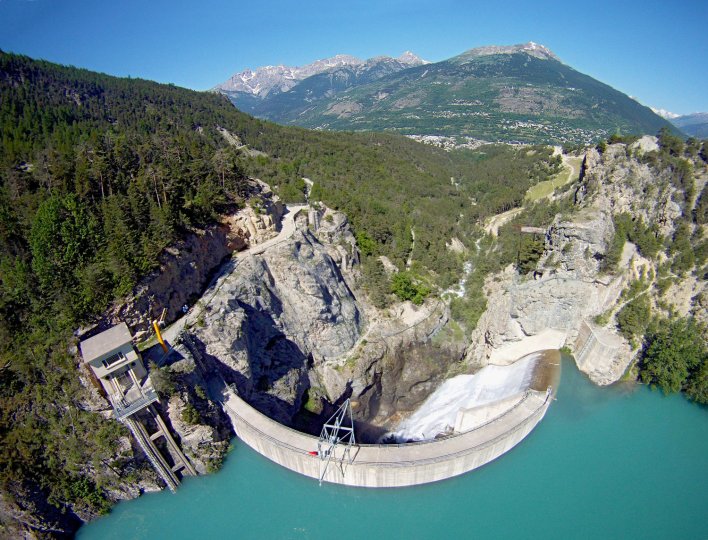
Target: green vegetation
point(616, 138)
point(495, 254)
point(676, 358)
point(671, 160)
point(200, 392)
point(566, 350)
point(451, 332)
point(637, 286)
point(633, 318)
point(546, 188)
point(162, 380)
point(313, 401)
point(99, 174)
point(681, 249)
point(603, 318)
point(530, 251)
point(645, 237)
point(190, 414)
point(376, 282)
point(406, 287)
point(469, 308)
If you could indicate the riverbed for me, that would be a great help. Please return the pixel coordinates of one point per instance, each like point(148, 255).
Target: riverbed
point(617, 462)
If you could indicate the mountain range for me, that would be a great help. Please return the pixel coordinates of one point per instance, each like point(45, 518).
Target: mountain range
point(270, 89)
point(518, 93)
point(695, 125)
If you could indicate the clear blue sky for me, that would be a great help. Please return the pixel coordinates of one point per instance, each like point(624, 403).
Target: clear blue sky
point(656, 51)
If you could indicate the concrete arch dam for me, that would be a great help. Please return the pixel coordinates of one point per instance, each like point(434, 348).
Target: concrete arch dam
point(406, 464)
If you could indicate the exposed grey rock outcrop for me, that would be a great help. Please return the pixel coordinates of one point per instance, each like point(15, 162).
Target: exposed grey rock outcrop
point(334, 232)
point(401, 362)
point(271, 316)
point(568, 289)
point(282, 325)
point(199, 423)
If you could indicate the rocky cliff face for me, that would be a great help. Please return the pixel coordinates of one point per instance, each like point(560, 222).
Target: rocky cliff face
point(273, 316)
point(186, 267)
point(197, 421)
point(285, 328)
point(333, 231)
point(408, 351)
point(568, 289)
point(285, 324)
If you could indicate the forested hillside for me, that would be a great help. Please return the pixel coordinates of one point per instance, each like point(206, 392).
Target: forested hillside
point(99, 174)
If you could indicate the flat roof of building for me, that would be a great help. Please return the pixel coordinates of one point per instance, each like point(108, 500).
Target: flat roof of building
point(106, 341)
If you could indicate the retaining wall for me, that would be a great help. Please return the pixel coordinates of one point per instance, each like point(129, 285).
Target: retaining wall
point(599, 353)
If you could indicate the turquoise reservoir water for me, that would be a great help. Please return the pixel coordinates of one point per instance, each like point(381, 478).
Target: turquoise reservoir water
point(619, 462)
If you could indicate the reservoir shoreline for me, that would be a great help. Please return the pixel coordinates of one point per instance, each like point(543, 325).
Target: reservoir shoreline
point(599, 460)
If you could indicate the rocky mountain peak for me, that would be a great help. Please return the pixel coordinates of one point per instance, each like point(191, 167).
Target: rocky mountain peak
point(281, 78)
point(532, 49)
point(664, 113)
point(411, 59)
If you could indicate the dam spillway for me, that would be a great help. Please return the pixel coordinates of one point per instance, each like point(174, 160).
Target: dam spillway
point(488, 390)
point(506, 422)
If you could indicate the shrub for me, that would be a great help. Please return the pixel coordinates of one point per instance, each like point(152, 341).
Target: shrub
point(406, 288)
point(697, 384)
point(680, 248)
point(530, 251)
point(162, 380)
point(633, 318)
point(367, 245)
point(669, 143)
point(376, 282)
point(468, 310)
point(190, 414)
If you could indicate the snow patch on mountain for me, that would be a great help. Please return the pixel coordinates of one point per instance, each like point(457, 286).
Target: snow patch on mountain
point(664, 113)
point(281, 78)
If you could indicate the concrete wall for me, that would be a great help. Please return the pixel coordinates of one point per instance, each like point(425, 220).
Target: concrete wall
point(601, 354)
point(389, 465)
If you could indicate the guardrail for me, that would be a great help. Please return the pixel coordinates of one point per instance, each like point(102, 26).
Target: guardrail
point(124, 410)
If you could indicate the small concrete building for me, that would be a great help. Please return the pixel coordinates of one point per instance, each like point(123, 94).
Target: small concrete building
point(120, 369)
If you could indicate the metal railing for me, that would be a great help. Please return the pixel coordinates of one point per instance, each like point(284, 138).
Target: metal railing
point(124, 408)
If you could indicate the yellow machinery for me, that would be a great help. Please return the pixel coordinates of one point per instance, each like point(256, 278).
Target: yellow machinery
point(159, 336)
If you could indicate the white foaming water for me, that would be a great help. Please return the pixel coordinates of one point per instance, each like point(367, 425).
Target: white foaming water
point(492, 383)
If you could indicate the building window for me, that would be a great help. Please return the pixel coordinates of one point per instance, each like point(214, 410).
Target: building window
point(113, 359)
